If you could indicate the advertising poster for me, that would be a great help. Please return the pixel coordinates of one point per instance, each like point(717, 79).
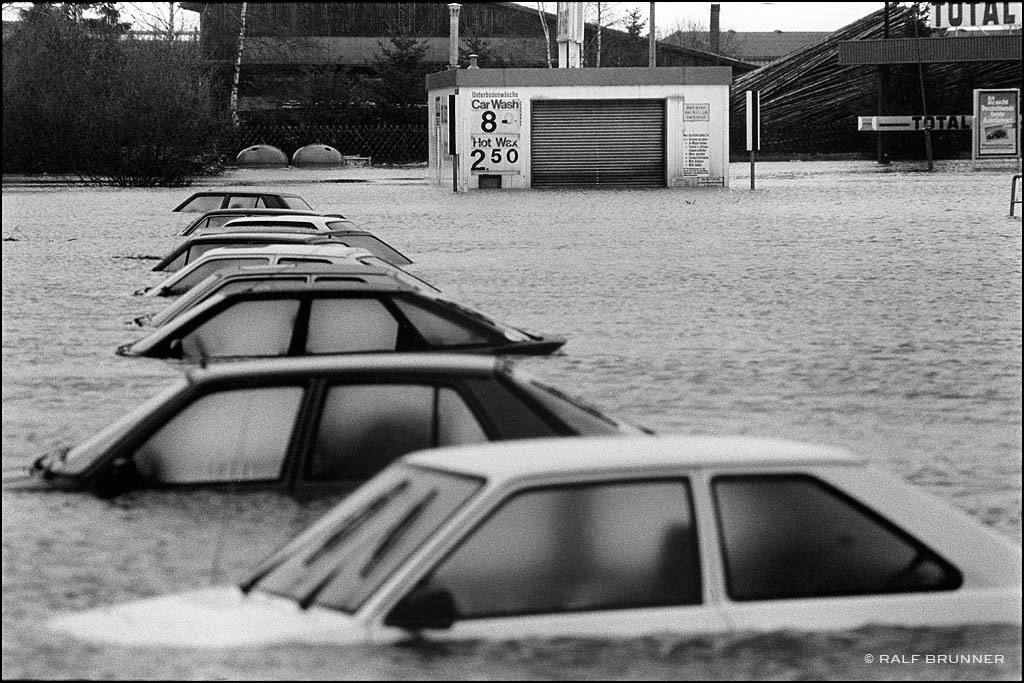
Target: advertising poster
point(996, 123)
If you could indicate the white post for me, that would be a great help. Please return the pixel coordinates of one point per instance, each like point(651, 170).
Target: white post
point(453, 35)
point(570, 35)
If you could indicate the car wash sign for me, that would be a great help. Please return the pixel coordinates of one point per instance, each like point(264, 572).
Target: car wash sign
point(495, 119)
point(975, 14)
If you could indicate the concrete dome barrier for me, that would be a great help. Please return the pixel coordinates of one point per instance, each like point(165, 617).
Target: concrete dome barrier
point(261, 156)
point(317, 155)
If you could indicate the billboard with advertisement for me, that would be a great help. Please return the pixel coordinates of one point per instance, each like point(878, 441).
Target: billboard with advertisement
point(996, 124)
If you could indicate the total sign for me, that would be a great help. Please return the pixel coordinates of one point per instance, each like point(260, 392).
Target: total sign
point(494, 123)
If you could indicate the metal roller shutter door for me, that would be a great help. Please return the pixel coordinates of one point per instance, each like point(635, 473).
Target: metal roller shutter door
point(597, 143)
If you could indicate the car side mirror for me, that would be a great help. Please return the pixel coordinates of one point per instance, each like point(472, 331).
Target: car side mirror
point(423, 608)
point(117, 478)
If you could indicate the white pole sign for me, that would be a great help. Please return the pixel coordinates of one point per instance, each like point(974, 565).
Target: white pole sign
point(753, 120)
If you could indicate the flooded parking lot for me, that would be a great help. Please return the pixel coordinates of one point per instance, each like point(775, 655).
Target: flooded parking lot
point(840, 304)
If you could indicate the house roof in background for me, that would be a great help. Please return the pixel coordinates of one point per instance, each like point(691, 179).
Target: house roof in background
point(752, 45)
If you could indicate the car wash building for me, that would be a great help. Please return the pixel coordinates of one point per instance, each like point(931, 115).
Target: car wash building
point(583, 128)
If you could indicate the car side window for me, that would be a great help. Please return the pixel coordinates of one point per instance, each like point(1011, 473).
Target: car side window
point(202, 271)
point(248, 328)
point(796, 537)
point(439, 330)
point(232, 435)
point(218, 221)
point(338, 325)
point(203, 203)
point(178, 263)
point(363, 427)
point(296, 203)
point(619, 545)
point(237, 202)
point(196, 251)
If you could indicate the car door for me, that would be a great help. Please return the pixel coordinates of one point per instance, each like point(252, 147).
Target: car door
point(363, 424)
point(601, 558)
point(228, 435)
point(798, 552)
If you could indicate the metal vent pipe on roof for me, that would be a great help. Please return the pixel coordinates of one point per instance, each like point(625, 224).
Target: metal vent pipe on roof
point(715, 32)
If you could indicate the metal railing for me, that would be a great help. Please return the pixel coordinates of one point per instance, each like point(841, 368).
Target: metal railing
point(1014, 184)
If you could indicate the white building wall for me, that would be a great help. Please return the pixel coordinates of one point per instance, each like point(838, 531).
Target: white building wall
point(697, 130)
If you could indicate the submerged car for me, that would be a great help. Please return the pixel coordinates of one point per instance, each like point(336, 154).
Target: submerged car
point(211, 220)
point(237, 199)
point(359, 310)
point(344, 231)
point(228, 280)
point(601, 537)
point(315, 425)
point(265, 255)
point(195, 246)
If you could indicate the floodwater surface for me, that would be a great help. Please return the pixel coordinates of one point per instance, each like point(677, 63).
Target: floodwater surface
point(838, 303)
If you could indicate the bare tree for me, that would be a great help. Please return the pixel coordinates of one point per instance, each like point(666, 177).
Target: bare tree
point(238, 66)
point(542, 13)
point(602, 15)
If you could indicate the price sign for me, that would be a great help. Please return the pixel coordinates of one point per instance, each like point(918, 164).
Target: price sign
point(494, 154)
point(495, 122)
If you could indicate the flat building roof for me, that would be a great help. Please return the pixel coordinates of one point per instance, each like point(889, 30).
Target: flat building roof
point(633, 75)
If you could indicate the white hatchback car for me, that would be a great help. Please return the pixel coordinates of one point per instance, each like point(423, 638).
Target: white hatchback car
point(607, 537)
point(267, 255)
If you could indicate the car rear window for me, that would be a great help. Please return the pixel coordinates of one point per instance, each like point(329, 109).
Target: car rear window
point(293, 202)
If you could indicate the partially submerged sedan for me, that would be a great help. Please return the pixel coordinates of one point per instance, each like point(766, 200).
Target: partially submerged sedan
point(211, 220)
point(315, 425)
point(193, 247)
point(359, 310)
point(235, 199)
point(228, 280)
point(266, 255)
point(601, 537)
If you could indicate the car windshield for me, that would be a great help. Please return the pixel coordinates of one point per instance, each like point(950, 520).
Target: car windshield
point(343, 558)
point(79, 458)
point(375, 246)
point(403, 276)
point(185, 302)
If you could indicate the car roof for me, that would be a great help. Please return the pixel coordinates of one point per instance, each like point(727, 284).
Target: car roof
point(282, 270)
point(456, 364)
point(242, 193)
point(256, 212)
point(286, 234)
point(530, 457)
point(318, 249)
point(286, 219)
point(375, 280)
point(262, 227)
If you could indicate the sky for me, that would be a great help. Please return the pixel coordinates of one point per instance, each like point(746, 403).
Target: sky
point(761, 16)
point(669, 16)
